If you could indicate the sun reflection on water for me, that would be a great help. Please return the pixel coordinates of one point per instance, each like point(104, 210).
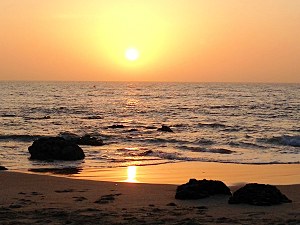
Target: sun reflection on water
point(131, 174)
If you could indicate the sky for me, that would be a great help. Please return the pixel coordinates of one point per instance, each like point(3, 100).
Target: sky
point(177, 40)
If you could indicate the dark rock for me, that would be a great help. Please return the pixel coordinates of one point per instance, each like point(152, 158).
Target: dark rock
point(151, 127)
point(132, 130)
point(55, 148)
point(69, 136)
point(8, 115)
point(258, 194)
point(88, 140)
point(93, 117)
point(165, 128)
point(146, 153)
point(222, 151)
point(3, 168)
point(196, 189)
point(116, 126)
point(84, 140)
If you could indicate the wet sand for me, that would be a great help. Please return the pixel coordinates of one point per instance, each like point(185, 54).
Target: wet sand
point(181, 172)
point(42, 199)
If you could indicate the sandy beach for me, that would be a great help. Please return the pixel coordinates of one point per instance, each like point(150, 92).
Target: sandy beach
point(42, 199)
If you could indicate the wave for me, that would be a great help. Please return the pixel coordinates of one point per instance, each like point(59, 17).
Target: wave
point(176, 156)
point(93, 117)
point(8, 115)
point(21, 138)
point(220, 126)
point(205, 142)
point(282, 140)
point(245, 144)
point(37, 118)
point(212, 125)
point(291, 140)
point(209, 150)
point(224, 106)
point(163, 140)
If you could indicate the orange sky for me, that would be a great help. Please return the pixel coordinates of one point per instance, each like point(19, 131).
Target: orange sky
point(178, 40)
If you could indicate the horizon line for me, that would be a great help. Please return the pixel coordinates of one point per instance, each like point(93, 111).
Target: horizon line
point(124, 81)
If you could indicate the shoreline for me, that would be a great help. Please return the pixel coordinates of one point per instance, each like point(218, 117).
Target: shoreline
point(40, 199)
point(180, 172)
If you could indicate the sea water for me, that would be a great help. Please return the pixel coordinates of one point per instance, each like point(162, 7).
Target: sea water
point(211, 122)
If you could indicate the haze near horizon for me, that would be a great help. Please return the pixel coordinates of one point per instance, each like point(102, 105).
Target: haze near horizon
point(159, 40)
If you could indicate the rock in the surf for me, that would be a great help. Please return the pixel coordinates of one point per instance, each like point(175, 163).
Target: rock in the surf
point(258, 194)
point(165, 128)
point(84, 140)
point(3, 168)
point(116, 126)
point(88, 140)
point(197, 189)
point(55, 148)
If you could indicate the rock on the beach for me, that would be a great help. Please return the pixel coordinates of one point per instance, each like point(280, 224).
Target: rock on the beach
point(258, 194)
point(3, 168)
point(55, 148)
point(196, 189)
point(165, 128)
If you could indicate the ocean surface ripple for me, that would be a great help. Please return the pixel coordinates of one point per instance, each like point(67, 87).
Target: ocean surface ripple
point(212, 122)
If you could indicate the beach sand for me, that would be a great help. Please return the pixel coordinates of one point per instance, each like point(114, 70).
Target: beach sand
point(41, 199)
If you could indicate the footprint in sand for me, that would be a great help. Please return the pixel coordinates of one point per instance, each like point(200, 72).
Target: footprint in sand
point(65, 190)
point(36, 193)
point(20, 203)
point(105, 199)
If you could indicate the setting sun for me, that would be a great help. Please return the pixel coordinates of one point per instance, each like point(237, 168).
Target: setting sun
point(202, 41)
point(132, 54)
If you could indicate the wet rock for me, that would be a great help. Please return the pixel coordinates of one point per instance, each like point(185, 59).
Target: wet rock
point(197, 189)
point(165, 128)
point(69, 136)
point(84, 140)
point(88, 140)
point(116, 126)
point(55, 148)
point(133, 130)
point(8, 115)
point(3, 168)
point(93, 118)
point(146, 153)
point(258, 194)
point(151, 127)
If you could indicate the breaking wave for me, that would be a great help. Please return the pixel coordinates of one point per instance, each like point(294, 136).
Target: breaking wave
point(282, 140)
point(21, 138)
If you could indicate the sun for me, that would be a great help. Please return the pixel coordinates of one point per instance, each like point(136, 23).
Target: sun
point(132, 54)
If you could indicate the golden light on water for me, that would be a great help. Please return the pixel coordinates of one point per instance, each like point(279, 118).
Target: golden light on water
point(131, 174)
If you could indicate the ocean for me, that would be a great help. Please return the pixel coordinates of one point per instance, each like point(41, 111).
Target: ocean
point(212, 122)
